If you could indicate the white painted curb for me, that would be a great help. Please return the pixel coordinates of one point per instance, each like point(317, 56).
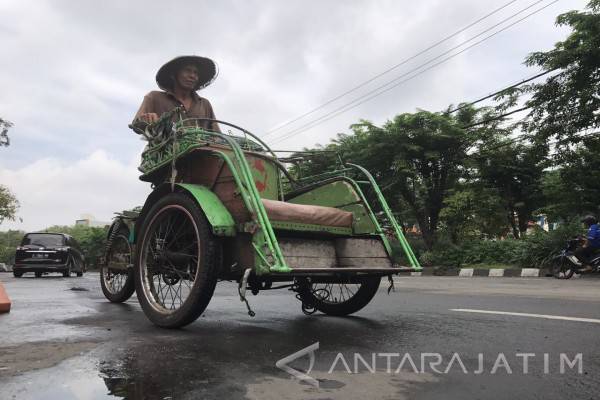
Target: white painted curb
point(496, 272)
point(530, 272)
point(466, 272)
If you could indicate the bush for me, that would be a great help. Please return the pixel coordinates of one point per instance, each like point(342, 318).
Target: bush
point(534, 250)
point(539, 248)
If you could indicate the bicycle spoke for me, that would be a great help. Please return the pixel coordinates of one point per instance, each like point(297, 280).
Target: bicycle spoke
point(171, 257)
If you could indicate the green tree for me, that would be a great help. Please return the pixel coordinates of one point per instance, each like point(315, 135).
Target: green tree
point(473, 211)
point(91, 239)
point(573, 189)
point(4, 126)
point(568, 103)
point(8, 244)
point(515, 170)
point(8, 204)
point(416, 158)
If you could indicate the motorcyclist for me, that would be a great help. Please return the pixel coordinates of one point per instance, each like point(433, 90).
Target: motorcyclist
point(591, 244)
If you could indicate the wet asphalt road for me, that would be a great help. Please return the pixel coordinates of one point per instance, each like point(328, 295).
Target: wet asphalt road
point(63, 340)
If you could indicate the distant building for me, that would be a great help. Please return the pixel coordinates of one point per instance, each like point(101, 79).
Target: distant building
point(541, 221)
point(89, 220)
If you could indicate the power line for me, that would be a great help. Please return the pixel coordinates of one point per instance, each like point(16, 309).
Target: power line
point(359, 101)
point(502, 90)
point(521, 138)
point(377, 91)
point(355, 88)
point(496, 118)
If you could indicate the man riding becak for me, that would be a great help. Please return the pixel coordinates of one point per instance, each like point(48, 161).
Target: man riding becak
point(180, 79)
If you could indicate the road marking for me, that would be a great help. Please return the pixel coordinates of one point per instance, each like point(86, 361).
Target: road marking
point(545, 316)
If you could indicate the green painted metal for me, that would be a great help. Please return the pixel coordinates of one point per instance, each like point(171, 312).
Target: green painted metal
point(378, 229)
point(295, 226)
point(345, 194)
point(361, 219)
point(279, 264)
point(218, 216)
point(340, 194)
point(259, 240)
point(352, 197)
point(264, 239)
point(390, 216)
point(265, 175)
point(332, 194)
point(323, 176)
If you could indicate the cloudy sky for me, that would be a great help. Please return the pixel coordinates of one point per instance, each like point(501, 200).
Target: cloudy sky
point(73, 73)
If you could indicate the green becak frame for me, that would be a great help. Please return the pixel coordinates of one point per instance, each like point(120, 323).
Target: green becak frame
point(269, 258)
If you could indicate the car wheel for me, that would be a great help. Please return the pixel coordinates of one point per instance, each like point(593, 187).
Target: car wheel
point(17, 274)
point(176, 263)
point(38, 274)
point(67, 272)
point(79, 274)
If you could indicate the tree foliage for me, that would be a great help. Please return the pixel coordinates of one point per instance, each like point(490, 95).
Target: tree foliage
point(9, 205)
point(9, 241)
point(572, 188)
point(569, 102)
point(515, 171)
point(473, 211)
point(91, 239)
point(4, 126)
point(417, 158)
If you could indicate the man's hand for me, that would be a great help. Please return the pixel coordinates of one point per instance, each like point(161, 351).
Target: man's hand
point(149, 117)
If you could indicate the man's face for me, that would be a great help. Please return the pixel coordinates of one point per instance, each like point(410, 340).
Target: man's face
point(187, 77)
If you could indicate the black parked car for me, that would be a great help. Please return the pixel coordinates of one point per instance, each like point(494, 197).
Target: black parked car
point(42, 252)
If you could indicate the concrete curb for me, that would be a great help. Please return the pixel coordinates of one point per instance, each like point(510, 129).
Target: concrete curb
point(4, 300)
point(481, 272)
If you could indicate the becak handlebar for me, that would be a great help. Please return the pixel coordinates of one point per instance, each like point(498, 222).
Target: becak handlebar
point(159, 130)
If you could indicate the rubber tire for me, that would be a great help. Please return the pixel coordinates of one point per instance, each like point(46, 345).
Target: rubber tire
point(80, 274)
point(38, 274)
point(129, 287)
point(206, 275)
point(67, 273)
point(17, 274)
point(558, 267)
point(363, 296)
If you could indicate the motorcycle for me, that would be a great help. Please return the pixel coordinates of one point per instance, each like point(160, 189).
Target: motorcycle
point(566, 264)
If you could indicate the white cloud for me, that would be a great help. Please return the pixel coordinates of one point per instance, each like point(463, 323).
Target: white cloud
point(74, 72)
point(55, 192)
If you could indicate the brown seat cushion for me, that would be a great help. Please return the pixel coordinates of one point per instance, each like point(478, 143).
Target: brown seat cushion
point(307, 214)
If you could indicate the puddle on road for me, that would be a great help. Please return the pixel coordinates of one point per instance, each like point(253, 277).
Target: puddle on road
point(79, 289)
point(216, 360)
point(145, 375)
point(339, 385)
point(82, 379)
point(151, 375)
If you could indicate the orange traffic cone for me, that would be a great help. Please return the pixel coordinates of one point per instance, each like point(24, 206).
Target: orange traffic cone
point(4, 300)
